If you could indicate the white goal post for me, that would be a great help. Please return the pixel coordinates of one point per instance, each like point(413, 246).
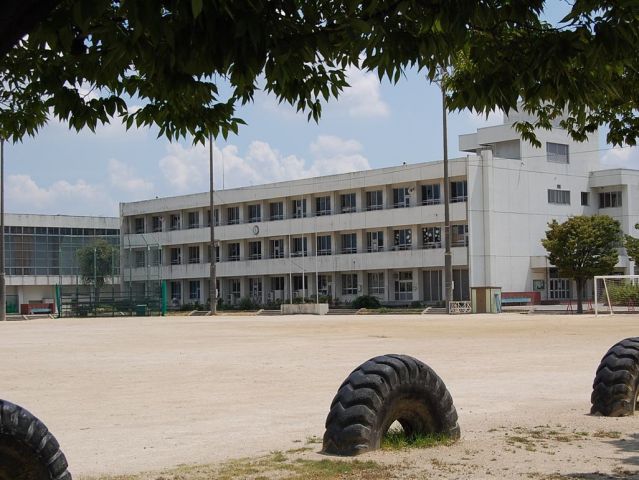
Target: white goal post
point(616, 293)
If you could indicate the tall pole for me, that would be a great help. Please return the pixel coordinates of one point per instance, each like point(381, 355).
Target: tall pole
point(212, 279)
point(3, 296)
point(448, 260)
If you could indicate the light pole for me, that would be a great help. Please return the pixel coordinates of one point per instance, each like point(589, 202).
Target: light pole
point(448, 261)
point(212, 280)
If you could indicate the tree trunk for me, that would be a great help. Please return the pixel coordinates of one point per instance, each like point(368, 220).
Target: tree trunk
point(580, 291)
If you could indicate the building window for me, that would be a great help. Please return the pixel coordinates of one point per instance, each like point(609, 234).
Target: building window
point(277, 283)
point(155, 257)
point(234, 252)
point(401, 197)
point(458, 191)
point(236, 289)
point(584, 199)
point(431, 194)
point(139, 225)
point(298, 247)
point(276, 210)
point(375, 241)
point(140, 259)
point(299, 208)
point(402, 239)
point(156, 223)
point(300, 283)
point(558, 288)
point(376, 283)
point(459, 236)
point(255, 213)
point(194, 290)
point(349, 284)
point(324, 284)
point(349, 243)
point(233, 215)
point(609, 199)
point(277, 248)
point(176, 292)
point(403, 285)
point(559, 197)
point(208, 217)
point(176, 257)
point(174, 223)
point(194, 219)
point(431, 237)
point(255, 250)
point(347, 203)
point(255, 289)
point(557, 152)
point(324, 245)
point(194, 254)
point(323, 206)
point(374, 200)
point(432, 285)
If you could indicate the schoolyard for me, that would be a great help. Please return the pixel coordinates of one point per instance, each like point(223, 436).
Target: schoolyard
point(126, 395)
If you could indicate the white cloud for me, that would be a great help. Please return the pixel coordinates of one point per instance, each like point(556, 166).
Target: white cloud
point(624, 157)
point(186, 168)
point(123, 177)
point(363, 98)
point(24, 195)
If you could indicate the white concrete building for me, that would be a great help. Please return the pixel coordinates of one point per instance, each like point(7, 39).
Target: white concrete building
point(380, 232)
point(40, 252)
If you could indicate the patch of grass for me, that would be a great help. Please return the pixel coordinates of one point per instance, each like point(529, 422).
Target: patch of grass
point(397, 440)
point(313, 439)
point(277, 465)
point(606, 434)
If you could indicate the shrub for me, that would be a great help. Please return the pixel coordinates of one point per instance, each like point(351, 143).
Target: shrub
point(623, 294)
point(246, 303)
point(366, 301)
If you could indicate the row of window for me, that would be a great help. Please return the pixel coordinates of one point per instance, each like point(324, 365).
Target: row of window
point(402, 239)
point(86, 232)
point(606, 199)
point(403, 283)
point(402, 198)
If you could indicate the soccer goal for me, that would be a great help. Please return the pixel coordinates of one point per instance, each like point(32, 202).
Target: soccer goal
point(616, 293)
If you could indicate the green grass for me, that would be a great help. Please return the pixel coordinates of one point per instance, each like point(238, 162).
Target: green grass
point(276, 465)
point(397, 440)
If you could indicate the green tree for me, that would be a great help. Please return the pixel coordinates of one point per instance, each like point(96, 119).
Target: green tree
point(632, 246)
point(582, 247)
point(189, 63)
point(96, 261)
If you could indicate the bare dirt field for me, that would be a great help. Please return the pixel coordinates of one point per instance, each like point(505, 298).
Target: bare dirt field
point(126, 395)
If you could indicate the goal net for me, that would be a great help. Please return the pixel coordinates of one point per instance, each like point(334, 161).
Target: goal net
point(616, 293)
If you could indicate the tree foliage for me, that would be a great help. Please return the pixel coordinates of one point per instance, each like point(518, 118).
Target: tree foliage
point(582, 247)
point(96, 261)
point(189, 63)
point(632, 246)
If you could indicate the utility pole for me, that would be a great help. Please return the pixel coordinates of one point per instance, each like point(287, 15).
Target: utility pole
point(212, 280)
point(3, 288)
point(448, 261)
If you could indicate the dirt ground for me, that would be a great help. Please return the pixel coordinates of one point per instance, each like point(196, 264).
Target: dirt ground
point(124, 395)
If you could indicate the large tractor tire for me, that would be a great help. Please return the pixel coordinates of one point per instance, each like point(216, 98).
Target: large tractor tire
point(27, 450)
point(381, 391)
point(614, 391)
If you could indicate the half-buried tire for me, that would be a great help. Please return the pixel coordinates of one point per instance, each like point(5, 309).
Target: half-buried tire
point(27, 450)
point(381, 391)
point(614, 391)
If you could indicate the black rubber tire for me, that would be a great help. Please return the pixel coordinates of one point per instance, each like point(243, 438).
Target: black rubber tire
point(614, 391)
point(28, 451)
point(383, 390)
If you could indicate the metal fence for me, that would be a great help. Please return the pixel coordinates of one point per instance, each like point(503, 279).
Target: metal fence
point(109, 302)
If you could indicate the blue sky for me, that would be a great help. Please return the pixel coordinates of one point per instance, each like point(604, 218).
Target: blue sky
point(372, 125)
